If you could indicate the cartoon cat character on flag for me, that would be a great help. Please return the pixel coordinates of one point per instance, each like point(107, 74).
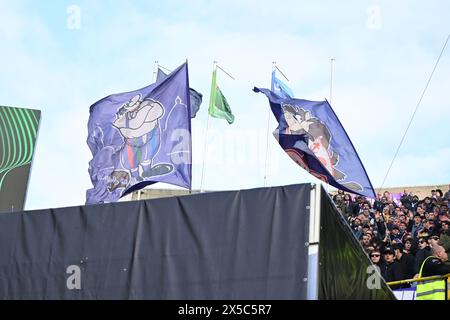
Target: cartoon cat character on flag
point(301, 122)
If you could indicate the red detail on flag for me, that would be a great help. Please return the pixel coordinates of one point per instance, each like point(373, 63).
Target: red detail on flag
point(130, 155)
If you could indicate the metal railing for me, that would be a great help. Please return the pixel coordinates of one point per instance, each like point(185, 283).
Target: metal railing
point(422, 279)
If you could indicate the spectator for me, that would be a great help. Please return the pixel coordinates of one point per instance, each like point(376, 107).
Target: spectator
point(414, 203)
point(444, 238)
point(433, 194)
point(403, 234)
point(421, 255)
point(407, 199)
point(408, 244)
point(421, 211)
point(365, 241)
point(378, 203)
point(349, 205)
point(439, 194)
point(416, 225)
point(433, 240)
point(340, 194)
point(429, 226)
point(396, 236)
point(402, 230)
point(405, 260)
point(391, 270)
point(428, 205)
point(375, 257)
point(447, 194)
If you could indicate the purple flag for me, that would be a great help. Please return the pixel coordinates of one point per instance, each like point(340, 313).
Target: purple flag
point(141, 137)
point(312, 135)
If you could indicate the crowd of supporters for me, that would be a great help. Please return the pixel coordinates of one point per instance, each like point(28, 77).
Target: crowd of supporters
point(398, 235)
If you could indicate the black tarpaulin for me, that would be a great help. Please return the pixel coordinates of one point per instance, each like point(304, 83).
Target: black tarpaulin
point(224, 245)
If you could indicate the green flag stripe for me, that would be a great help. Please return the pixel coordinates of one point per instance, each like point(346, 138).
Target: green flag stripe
point(28, 138)
point(34, 121)
point(4, 140)
point(20, 134)
point(212, 98)
point(11, 141)
point(17, 127)
point(17, 146)
point(221, 108)
point(30, 126)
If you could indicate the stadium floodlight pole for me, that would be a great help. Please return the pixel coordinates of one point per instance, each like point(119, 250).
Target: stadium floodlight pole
point(206, 133)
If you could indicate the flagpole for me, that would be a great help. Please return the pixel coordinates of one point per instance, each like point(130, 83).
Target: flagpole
point(168, 70)
point(219, 67)
point(281, 72)
point(332, 79)
point(205, 140)
point(331, 98)
point(155, 71)
point(274, 66)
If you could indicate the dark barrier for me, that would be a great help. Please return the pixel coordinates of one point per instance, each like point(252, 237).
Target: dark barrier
point(224, 245)
point(345, 271)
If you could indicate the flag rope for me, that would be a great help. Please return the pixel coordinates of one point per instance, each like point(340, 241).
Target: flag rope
point(414, 113)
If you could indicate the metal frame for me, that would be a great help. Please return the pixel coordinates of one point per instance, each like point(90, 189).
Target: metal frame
point(313, 243)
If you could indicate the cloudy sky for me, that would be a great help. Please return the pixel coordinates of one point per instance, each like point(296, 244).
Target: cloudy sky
point(62, 56)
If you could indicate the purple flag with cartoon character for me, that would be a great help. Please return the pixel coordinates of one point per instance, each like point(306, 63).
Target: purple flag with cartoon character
point(141, 137)
point(312, 135)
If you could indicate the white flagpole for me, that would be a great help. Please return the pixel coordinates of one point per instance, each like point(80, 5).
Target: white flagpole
point(205, 141)
point(327, 186)
point(274, 66)
point(217, 66)
point(332, 79)
point(155, 71)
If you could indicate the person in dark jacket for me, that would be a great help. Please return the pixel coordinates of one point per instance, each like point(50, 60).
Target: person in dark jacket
point(423, 252)
point(408, 245)
point(392, 270)
point(415, 225)
point(444, 237)
point(405, 260)
point(375, 257)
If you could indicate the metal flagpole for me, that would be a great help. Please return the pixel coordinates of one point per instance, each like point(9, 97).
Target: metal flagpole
point(281, 72)
point(155, 71)
point(225, 72)
point(206, 136)
point(332, 79)
point(327, 187)
point(274, 66)
point(188, 97)
point(162, 67)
